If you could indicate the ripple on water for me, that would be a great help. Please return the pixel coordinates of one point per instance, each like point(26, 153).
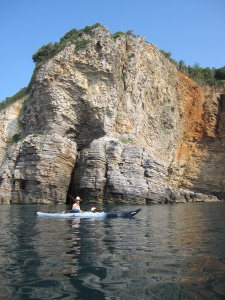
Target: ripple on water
point(165, 252)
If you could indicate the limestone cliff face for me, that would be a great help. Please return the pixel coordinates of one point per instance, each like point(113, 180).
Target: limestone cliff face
point(9, 126)
point(114, 122)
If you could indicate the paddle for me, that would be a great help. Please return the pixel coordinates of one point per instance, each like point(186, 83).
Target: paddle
point(71, 197)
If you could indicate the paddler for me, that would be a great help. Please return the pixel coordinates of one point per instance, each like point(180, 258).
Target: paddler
point(76, 205)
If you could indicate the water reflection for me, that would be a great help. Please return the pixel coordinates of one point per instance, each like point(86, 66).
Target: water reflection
point(202, 249)
point(123, 258)
point(22, 261)
point(165, 252)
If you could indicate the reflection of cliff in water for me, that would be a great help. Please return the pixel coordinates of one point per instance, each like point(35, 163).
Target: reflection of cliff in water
point(198, 237)
point(165, 252)
point(118, 256)
point(20, 256)
point(171, 251)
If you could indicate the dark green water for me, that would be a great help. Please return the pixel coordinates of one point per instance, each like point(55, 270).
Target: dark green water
point(165, 252)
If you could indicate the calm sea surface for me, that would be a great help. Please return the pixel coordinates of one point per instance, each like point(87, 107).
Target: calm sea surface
point(165, 252)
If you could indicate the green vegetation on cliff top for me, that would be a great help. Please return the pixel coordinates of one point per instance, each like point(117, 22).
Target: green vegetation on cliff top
point(73, 36)
point(202, 76)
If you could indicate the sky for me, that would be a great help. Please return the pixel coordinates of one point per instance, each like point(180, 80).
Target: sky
point(192, 30)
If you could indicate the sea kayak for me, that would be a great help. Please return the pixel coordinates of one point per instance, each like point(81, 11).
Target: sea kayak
point(90, 214)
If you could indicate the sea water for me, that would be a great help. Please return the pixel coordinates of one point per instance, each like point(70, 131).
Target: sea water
point(164, 252)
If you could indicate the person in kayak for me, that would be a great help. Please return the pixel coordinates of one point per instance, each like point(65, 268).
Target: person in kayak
point(76, 205)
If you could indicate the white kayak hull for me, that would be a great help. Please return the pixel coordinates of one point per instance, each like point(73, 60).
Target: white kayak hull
point(73, 215)
point(89, 214)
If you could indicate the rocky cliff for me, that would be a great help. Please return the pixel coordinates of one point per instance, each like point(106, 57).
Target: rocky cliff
point(113, 121)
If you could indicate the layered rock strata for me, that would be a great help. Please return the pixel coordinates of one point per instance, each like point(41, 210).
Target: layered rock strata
point(116, 122)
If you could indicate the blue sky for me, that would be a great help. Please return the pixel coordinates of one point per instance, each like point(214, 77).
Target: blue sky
point(192, 30)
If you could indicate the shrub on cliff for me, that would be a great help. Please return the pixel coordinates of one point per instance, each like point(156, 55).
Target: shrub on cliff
point(202, 76)
point(118, 34)
point(220, 73)
point(121, 33)
point(48, 51)
point(168, 55)
point(74, 36)
point(9, 100)
point(15, 138)
point(43, 53)
point(81, 44)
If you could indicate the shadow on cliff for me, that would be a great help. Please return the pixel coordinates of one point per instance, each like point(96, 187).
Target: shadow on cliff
point(89, 127)
point(211, 178)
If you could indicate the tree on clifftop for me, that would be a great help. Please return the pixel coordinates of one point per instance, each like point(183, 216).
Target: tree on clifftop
point(42, 53)
point(220, 73)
